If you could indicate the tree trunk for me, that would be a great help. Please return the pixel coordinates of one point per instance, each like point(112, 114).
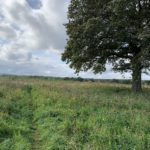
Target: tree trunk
point(136, 77)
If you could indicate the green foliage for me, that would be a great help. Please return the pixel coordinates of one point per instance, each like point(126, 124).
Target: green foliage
point(109, 31)
point(72, 115)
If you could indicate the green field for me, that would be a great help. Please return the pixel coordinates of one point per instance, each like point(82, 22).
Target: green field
point(38, 114)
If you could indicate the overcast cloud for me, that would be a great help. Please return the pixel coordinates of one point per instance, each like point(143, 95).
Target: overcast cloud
point(32, 38)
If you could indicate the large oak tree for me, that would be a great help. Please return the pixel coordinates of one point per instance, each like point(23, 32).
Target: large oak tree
point(109, 31)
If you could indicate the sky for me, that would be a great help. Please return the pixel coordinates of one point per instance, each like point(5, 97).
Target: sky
point(33, 37)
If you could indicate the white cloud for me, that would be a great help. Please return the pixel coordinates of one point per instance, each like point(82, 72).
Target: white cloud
point(7, 32)
point(28, 32)
point(32, 38)
point(38, 29)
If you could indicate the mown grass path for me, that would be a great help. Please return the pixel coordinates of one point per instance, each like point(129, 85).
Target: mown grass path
point(35, 135)
point(36, 142)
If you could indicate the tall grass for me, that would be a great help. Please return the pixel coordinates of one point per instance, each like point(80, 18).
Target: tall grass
point(68, 115)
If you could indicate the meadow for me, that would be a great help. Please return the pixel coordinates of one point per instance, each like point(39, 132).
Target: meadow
point(40, 114)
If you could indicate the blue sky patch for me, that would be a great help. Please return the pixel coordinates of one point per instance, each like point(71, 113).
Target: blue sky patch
point(35, 4)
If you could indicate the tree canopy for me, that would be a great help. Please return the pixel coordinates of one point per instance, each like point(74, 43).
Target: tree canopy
point(109, 31)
